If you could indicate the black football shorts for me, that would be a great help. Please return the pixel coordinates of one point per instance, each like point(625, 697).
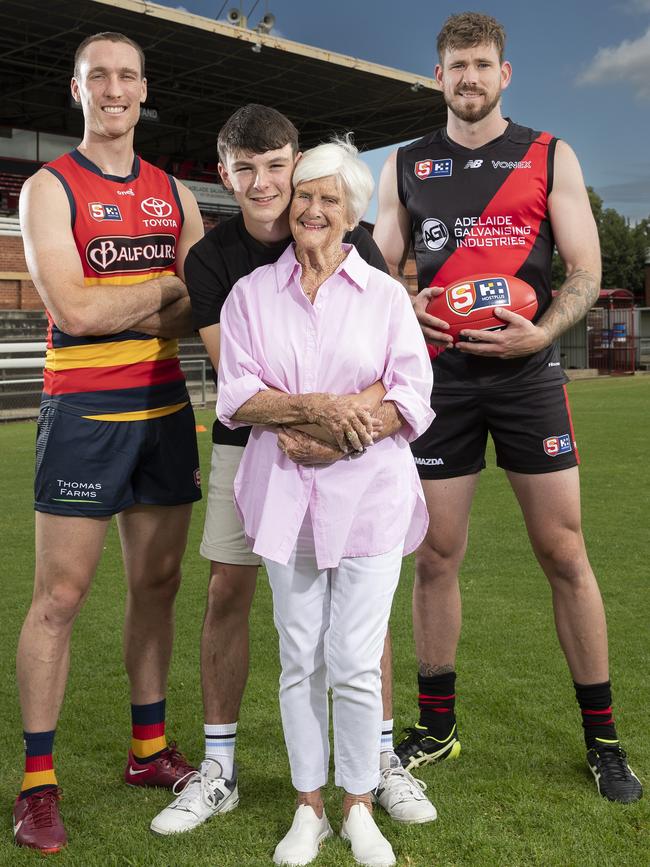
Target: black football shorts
point(86, 467)
point(531, 429)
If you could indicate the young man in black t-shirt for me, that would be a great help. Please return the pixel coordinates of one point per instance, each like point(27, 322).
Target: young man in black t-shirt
point(258, 149)
point(486, 195)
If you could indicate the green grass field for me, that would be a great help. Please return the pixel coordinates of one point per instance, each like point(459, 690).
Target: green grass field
point(520, 794)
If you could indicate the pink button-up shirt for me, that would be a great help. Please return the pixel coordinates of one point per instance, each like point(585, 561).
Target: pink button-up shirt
point(361, 328)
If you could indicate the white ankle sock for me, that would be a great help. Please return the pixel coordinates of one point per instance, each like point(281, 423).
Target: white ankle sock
point(386, 745)
point(220, 746)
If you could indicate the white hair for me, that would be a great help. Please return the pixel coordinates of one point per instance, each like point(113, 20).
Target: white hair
point(339, 158)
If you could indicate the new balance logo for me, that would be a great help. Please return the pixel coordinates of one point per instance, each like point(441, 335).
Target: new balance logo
point(473, 164)
point(430, 462)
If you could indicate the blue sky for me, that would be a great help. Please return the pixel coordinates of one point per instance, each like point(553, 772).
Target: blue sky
point(581, 69)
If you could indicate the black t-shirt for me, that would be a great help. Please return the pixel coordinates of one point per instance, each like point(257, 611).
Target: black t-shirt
point(480, 211)
point(225, 255)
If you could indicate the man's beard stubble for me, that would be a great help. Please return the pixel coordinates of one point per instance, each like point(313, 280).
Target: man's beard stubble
point(472, 113)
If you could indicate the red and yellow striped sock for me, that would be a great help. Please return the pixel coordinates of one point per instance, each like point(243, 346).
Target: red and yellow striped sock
point(39, 766)
point(148, 730)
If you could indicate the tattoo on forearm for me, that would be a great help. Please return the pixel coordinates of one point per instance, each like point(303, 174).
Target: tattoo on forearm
point(425, 669)
point(576, 295)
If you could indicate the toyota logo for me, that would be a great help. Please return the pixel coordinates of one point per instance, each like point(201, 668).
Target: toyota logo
point(156, 207)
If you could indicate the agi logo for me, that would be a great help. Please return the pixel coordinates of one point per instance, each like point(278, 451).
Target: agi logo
point(560, 445)
point(478, 294)
point(100, 212)
point(434, 233)
point(433, 169)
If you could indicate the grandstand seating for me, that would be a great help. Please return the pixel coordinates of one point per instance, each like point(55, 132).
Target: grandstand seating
point(21, 366)
point(10, 186)
point(9, 225)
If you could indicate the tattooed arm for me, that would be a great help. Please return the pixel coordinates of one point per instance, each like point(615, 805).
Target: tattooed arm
point(576, 238)
point(576, 295)
point(577, 242)
point(428, 669)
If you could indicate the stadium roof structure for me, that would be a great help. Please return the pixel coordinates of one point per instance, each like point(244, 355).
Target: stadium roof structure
point(199, 71)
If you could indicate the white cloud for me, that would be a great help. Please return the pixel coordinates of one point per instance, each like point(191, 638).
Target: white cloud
point(627, 62)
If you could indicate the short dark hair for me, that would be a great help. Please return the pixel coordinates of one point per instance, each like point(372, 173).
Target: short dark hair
point(468, 29)
point(256, 129)
point(107, 36)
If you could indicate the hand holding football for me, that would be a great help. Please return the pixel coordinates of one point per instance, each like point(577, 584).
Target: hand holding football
point(470, 303)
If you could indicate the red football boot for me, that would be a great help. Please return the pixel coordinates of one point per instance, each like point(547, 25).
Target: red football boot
point(37, 823)
point(166, 771)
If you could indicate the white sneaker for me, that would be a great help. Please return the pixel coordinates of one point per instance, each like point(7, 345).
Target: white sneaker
point(302, 841)
point(402, 795)
point(206, 793)
point(369, 846)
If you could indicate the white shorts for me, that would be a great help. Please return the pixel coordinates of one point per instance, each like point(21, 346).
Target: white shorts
point(223, 537)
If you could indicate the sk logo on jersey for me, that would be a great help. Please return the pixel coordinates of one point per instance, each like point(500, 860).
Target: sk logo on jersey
point(433, 169)
point(554, 446)
point(100, 212)
point(477, 294)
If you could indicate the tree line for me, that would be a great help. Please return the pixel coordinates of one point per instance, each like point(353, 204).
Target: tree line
point(624, 249)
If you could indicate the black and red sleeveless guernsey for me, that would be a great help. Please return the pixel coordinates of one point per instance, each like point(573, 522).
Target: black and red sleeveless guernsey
point(478, 211)
point(126, 231)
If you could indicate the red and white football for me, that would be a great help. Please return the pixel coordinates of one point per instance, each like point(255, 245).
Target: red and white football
point(470, 303)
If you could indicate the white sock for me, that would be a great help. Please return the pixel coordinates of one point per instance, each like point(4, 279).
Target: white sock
point(220, 746)
point(386, 745)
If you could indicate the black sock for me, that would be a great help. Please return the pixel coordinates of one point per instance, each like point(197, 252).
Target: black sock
point(595, 700)
point(437, 700)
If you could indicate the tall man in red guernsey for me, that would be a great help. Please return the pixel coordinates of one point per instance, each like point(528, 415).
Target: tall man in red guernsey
point(106, 236)
point(487, 195)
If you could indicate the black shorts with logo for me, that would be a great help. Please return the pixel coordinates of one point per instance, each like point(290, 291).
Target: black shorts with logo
point(86, 467)
point(531, 429)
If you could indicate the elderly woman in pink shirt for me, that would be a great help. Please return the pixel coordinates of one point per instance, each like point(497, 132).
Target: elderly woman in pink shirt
point(300, 340)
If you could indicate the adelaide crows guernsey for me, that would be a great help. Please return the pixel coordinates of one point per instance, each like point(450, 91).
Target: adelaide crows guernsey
point(476, 211)
point(126, 231)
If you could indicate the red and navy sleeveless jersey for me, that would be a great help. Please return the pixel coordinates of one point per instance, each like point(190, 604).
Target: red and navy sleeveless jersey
point(126, 231)
point(475, 211)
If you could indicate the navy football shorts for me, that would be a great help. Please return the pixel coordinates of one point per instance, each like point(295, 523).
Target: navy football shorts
point(532, 432)
point(86, 467)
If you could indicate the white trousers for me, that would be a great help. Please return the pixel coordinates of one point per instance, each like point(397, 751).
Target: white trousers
point(332, 624)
